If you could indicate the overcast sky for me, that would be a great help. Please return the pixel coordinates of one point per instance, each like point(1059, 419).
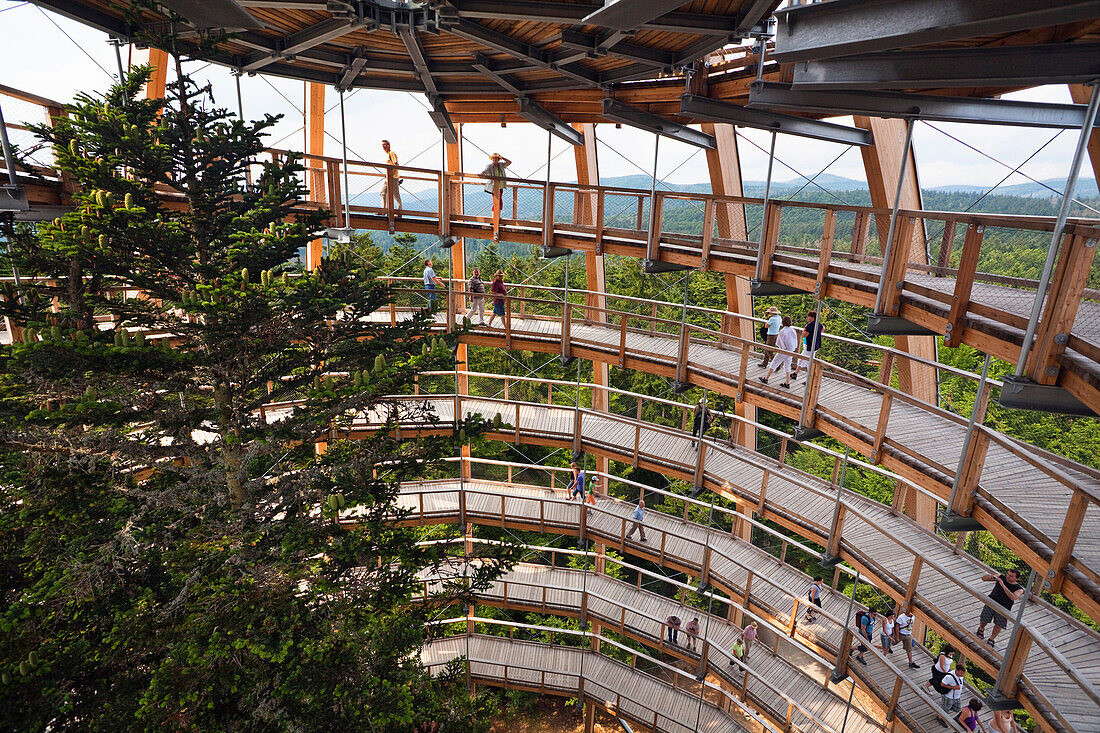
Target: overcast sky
point(36, 55)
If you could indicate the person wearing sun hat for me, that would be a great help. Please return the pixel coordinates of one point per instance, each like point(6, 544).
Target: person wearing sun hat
point(495, 172)
point(775, 324)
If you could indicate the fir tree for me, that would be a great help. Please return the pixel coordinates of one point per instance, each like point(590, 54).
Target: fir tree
point(167, 544)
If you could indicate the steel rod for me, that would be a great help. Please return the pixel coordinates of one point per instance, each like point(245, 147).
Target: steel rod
point(888, 245)
point(1059, 225)
point(764, 210)
point(344, 153)
point(970, 427)
point(9, 157)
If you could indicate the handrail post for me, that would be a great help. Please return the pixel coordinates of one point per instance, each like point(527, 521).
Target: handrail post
point(1060, 225)
point(761, 267)
point(958, 507)
point(888, 246)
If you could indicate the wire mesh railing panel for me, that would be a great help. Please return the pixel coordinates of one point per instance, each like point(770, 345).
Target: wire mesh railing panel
point(801, 230)
point(625, 211)
point(682, 216)
point(19, 115)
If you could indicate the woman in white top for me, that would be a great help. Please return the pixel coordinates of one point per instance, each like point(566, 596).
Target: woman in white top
point(787, 341)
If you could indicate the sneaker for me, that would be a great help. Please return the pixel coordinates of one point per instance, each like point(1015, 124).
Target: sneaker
point(914, 665)
point(862, 661)
point(785, 385)
point(764, 380)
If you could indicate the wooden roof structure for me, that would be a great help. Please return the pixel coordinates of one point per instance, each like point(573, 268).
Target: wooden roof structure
point(475, 59)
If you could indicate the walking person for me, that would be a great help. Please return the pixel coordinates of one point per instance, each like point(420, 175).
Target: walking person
point(787, 340)
point(430, 283)
point(738, 652)
point(774, 325)
point(673, 623)
point(499, 294)
point(904, 623)
point(496, 173)
point(391, 184)
point(889, 626)
point(477, 296)
point(968, 716)
point(639, 516)
point(811, 342)
point(748, 635)
point(865, 620)
point(577, 484)
point(940, 669)
point(1006, 591)
point(701, 421)
point(813, 593)
point(692, 630)
point(949, 684)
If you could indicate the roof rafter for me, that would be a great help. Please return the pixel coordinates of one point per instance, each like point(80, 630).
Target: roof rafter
point(605, 44)
point(617, 111)
point(483, 64)
point(305, 39)
point(629, 14)
point(574, 13)
point(420, 61)
point(535, 114)
point(506, 44)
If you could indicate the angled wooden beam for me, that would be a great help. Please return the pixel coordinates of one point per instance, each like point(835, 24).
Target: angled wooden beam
point(606, 45)
point(617, 111)
point(351, 71)
point(535, 114)
point(487, 67)
point(504, 43)
point(305, 39)
point(419, 59)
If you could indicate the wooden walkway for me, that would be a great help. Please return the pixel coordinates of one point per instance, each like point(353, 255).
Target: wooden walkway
point(574, 672)
point(757, 581)
point(1061, 665)
point(778, 688)
point(1019, 499)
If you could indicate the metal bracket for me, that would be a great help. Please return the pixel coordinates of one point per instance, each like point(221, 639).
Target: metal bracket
point(1020, 393)
point(951, 522)
point(880, 325)
point(803, 434)
point(681, 387)
point(997, 701)
point(767, 287)
point(829, 561)
point(548, 252)
point(836, 676)
point(13, 198)
point(653, 267)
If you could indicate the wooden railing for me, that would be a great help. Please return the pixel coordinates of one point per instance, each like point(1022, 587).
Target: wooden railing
point(935, 473)
point(926, 582)
point(518, 672)
point(832, 250)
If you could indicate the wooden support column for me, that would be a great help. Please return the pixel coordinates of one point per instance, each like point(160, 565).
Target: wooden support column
point(159, 61)
point(589, 717)
point(454, 204)
point(315, 145)
point(1080, 94)
point(724, 167)
point(882, 161)
point(1063, 298)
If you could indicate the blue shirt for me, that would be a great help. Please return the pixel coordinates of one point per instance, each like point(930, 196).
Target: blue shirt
point(774, 324)
point(638, 513)
point(429, 276)
point(580, 481)
point(867, 626)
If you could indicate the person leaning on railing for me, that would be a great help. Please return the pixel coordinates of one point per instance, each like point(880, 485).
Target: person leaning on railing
point(391, 184)
point(496, 172)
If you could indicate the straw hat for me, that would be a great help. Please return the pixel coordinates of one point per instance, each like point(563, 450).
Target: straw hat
point(772, 309)
point(495, 156)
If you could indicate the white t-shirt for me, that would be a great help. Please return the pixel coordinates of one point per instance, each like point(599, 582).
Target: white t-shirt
point(887, 627)
point(954, 678)
point(905, 624)
point(788, 338)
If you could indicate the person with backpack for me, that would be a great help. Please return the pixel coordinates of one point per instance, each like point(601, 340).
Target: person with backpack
point(904, 627)
point(577, 484)
point(813, 593)
point(865, 621)
point(941, 669)
point(950, 688)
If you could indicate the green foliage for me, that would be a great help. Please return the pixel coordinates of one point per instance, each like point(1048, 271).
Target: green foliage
point(168, 547)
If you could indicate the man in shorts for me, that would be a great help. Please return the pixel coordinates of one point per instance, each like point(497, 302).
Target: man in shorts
point(813, 593)
point(1006, 591)
point(904, 621)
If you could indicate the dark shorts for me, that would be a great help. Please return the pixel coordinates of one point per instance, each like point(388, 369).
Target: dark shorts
point(988, 614)
point(498, 309)
point(817, 601)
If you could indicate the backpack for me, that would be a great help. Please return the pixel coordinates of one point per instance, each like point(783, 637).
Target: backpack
point(937, 681)
point(860, 616)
